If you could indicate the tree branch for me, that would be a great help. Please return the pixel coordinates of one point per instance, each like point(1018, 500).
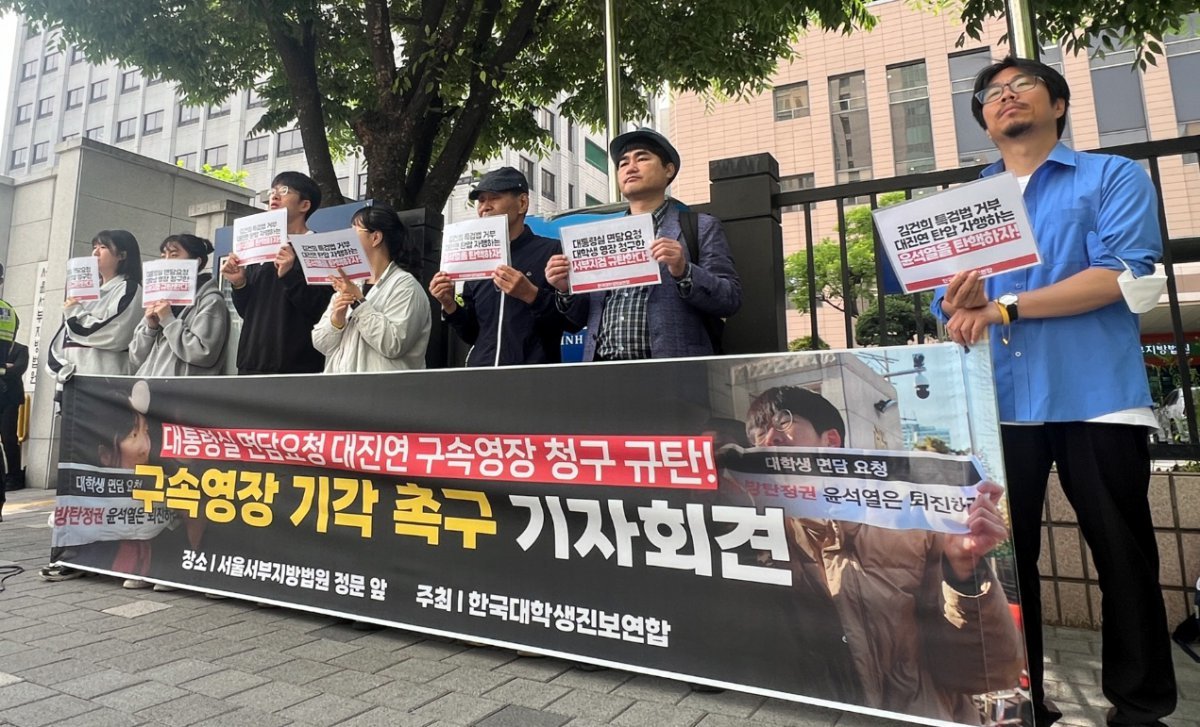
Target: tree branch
point(382, 49)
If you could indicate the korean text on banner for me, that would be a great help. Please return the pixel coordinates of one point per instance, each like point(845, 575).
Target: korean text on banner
point(979, 226)
point(83, 278)
point(472, 249)
point(322, 254)
point(170, 281)
point(611, 254)
point(257, 238)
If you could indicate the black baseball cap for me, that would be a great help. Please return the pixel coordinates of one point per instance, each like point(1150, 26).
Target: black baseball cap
point(617, 147)
point(504, 179)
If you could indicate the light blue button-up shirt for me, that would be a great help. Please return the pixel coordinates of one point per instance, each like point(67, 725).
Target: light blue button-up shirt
point(1087, 210)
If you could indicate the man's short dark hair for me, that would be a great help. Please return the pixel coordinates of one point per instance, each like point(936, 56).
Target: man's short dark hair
point(655, 149)
point(304, 186)
point(1055, 84)
point(801, 402)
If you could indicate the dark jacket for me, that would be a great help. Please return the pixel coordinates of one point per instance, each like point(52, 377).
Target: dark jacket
point(532, 333)
point(278, 315)
point(14, 393)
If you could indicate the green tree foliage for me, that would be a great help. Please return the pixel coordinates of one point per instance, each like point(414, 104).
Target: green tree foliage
point(902, 320)
point(423, 87)
point(827, 262)
point(805, 343)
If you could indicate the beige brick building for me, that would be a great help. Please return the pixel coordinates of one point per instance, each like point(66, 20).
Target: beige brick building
point(896, 100)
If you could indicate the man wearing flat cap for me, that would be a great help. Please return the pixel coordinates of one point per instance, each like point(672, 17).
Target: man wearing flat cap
point(531, 327)
point(674, 317)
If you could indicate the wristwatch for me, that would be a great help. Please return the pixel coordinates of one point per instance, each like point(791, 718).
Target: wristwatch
point(1009, 302)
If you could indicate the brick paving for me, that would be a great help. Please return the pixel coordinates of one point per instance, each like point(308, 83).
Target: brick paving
point(88, 653)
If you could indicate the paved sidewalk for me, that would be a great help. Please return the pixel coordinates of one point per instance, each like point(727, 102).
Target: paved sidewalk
point(89, 653)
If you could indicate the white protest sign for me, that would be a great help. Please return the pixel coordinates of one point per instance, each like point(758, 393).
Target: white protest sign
point(322, 254)
point(258, 237)
point(896, 490)
point(979, 226)
point(83, 278)
point(170, 281)
point(611, 254)
point(472, 249)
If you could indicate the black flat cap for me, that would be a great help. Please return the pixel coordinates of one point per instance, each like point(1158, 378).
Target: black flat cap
point(504, 179)
point(617, 147)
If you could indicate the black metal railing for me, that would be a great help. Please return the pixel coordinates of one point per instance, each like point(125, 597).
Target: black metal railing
point(1176, 251)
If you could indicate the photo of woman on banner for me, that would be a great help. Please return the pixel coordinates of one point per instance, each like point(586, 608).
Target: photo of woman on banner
point(924, 624)
point(383, 326)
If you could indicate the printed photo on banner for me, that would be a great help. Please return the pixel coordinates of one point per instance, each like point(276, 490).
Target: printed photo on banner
point(472, 249)
point(979, 226)
point(169, 281)
point(839, 516)
point(83, 278)
point(323, 254)
point(611, 254)
point(256, 238)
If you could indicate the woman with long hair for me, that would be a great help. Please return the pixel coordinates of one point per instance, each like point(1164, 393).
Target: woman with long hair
point(386, 326)
point(183, 340)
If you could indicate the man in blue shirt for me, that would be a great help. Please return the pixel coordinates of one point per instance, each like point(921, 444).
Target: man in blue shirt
point(1070, 380)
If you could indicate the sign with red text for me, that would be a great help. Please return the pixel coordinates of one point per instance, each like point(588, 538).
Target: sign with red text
point(323, 254)
point(169, 281)
point(472, 249)
point(257, 238)
point(981, 226)
point(611, 254)
point(83, 278)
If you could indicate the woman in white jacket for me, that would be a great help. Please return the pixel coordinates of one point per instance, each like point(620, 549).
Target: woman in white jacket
point(184, 340)
point(385, 328)
point(95, 334)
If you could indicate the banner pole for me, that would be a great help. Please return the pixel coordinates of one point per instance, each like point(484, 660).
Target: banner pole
point(500, 328)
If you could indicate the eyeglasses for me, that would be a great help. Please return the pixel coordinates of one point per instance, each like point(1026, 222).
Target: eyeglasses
point(280, 191)
point(780, 420)
point(1017, 84)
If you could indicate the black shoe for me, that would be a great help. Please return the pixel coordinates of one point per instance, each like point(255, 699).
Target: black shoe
point(1114, 720)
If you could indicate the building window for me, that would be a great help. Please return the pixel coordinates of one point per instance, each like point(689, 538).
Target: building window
point(362, 185)
point(572, 129)
point(253, 100)
point(96, 133)
point(595, 155)
point(221, 109)
point(131, 80)
point(791, 102)
point(216, 156)
point(186, 161)
point(912, 126)
point(290, 142)
point(152, 123)
point(24, 113)
point(343, 184)
point(75, 98)
point(794, 183)
point(28, 70)
point(41, 152)
point(50, 63)
point(256, 149)
point(188, 115)
point(549, 190)
point(974, 146)
point(1183, 65)
point(570, 196)
point(99, 91)
point(68, 137)
point(529, 169)
point(77, 56)
point(1117, 89)
point(547, 122)
point(154, 81)
point(590, 201)
point(19, 157)
point(126, 129)
point(46, 107)
point(851, 127)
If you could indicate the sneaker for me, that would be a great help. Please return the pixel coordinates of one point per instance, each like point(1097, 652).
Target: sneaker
point(56, 573)
point(134, 584)
point(163, 588)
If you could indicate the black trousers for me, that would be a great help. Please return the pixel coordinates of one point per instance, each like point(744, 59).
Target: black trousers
point(8, 434)
point(1105, 474)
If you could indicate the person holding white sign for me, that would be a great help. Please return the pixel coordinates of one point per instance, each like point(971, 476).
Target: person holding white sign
point(1070, 380)
point(183, 340)
point(917, 617)
point(680, 316)
point(386, 326)
point(532, 326)
point(94, 336)
point(277, 306)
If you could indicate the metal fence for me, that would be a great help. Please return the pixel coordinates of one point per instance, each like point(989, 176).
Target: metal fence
point(1176, 251)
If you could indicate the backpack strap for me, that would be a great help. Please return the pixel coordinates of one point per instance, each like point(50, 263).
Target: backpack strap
point(689, 229)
